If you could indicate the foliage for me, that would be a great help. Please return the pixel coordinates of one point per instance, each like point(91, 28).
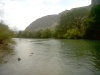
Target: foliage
point(59, 31)
point(92, 23)
point(73, 18)
point(5, 34)
point(73, 34)
point(75, 24)
point(70, 22)
point(46, 33)
point(42, 33)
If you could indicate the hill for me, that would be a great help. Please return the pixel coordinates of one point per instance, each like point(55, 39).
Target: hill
point(43, 22)
point(47, 21)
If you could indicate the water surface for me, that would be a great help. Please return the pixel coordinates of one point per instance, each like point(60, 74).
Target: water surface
point(53, 57)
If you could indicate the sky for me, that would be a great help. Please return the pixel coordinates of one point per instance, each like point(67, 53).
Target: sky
point(20, 13)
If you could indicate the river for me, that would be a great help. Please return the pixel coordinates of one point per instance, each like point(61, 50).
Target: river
point(53, 57)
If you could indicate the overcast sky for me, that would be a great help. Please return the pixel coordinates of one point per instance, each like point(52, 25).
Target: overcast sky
point(20, 13)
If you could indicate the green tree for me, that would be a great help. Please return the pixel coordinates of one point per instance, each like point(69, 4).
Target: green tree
point(72, 19)
point(92, 23)
point(5, 34)
point(46, 33)
point(59, 31)
point(37, 34)
point(73, 34)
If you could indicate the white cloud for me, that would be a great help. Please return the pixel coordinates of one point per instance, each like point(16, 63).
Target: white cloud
point(51, 1)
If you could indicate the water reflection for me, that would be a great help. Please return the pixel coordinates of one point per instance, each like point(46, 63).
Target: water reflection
point(96, 56)
point(84, 52)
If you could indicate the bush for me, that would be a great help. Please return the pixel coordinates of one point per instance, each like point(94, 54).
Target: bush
point(73, 34)
point(5, 34)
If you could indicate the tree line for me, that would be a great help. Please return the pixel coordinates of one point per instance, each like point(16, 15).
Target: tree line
point(78, 23)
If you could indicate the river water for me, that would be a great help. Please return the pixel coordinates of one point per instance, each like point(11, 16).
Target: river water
point(53, 57)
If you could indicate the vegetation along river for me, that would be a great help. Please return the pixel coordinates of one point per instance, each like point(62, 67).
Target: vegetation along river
point(52, 57)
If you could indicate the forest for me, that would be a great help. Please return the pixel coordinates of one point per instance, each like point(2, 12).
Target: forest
point(79, 23)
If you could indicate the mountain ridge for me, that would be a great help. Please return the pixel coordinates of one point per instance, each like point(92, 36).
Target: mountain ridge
point(43, 22)
point(48, 21)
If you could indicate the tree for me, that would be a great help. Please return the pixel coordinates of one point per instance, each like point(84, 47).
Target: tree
point(37, 34)
point(72, 19)
point(5, 34)
point(92, 23)
point(46, 33)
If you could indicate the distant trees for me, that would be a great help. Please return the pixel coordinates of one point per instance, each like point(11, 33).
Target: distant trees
point(75, 24)
point(42, 33)
point(46, 33)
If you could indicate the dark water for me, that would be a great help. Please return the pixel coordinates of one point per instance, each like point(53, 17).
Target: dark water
point(53, 57)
